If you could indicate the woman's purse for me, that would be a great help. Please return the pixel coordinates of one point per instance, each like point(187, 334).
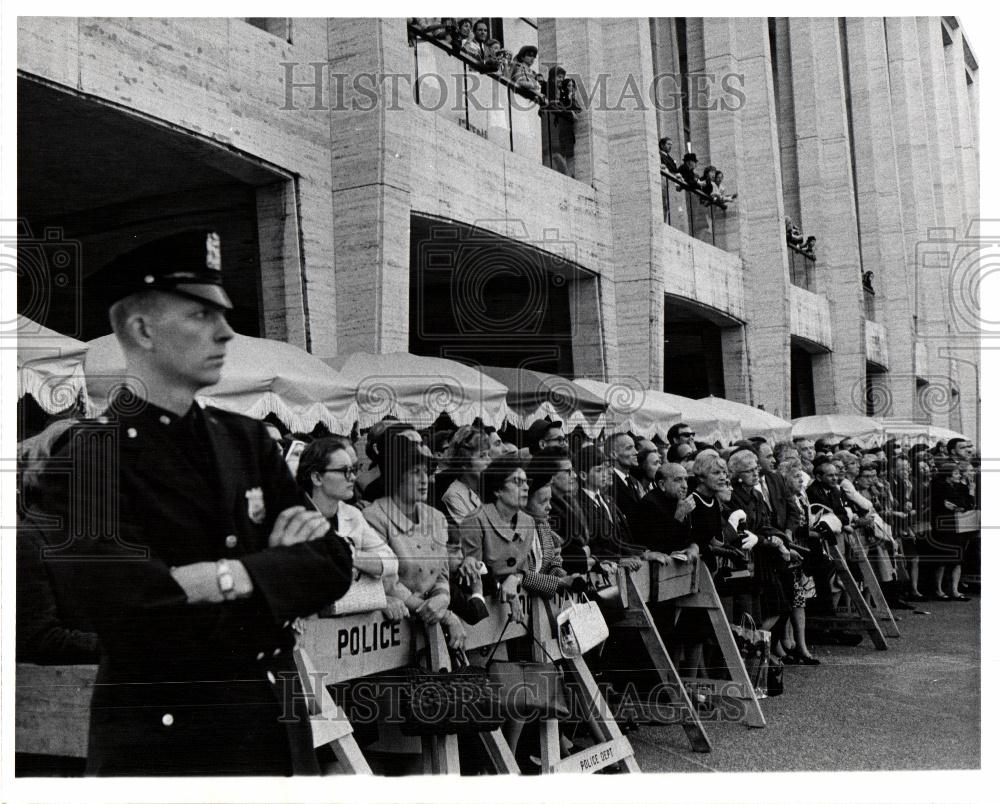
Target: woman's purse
point(528, 689)
point(460, 701)
point(581, 627)
point(754, 645)
point(607, 583)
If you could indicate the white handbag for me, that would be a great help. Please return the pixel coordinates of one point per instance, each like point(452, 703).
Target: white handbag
point(581, 627)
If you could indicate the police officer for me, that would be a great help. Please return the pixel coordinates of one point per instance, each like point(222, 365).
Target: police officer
point(188, 544)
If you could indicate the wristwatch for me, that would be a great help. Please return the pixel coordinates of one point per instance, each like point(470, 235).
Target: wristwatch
point(224, 577)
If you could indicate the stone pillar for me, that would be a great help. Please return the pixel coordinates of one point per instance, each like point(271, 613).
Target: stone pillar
point(636, 204)
point(371, 209)
point(578, 45)
point(784, 105)
point(826, 198)
point(884, 245)
point(744, 142)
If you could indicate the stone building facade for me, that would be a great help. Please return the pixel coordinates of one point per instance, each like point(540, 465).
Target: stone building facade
point(376, 193)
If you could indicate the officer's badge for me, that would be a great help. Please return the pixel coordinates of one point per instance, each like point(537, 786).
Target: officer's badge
point(213, 255)
point(255, 505)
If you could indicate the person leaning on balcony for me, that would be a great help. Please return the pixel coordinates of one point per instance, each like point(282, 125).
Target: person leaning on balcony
point(666, 160)
point(809, 247)
point(522, 75)
point(499, 57)
point(792, 234)
point(719, 190)
point(687, 172)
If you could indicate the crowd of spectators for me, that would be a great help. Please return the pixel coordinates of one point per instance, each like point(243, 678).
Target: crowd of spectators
point(452, 516)
point(709, 183)
point(794, 238)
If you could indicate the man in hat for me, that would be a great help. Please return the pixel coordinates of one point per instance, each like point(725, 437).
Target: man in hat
point(687, 171)
point(544, 434)
point(193, 554)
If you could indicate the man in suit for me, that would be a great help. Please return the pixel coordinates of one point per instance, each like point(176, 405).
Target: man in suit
point(192, 554)
point(610, 536)
point(625, 489)
point(663, 524)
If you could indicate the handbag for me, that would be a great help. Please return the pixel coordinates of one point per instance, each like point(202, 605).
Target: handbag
point(581, 627)
point(754, 646)
point(775, 680)
point(607, 583)
point(364, 594)
point(528, 689)
point(459, 701)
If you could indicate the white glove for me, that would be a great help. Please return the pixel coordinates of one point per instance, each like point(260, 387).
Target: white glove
point(749, 540)
point(736, 517)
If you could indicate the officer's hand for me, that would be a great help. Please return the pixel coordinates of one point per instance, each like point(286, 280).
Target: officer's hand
point(395, 610)
point(454, 630)
point(653, 555)
point(295, 525)
point(433, 609)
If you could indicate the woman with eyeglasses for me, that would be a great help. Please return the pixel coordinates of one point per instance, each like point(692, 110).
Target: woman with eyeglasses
point(501, 533)
point(326, 473)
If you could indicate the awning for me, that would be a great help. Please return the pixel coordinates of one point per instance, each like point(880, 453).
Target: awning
point(534, 395)
point(632, 409)
point(753, 421)
point(260, 376)
point(418, 389)
point(49, 367)
point(867, 431)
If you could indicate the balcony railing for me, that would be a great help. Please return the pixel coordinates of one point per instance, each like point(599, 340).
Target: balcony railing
point(688, 209)
point(801, 268)
point(491, 106)
point(869, 294)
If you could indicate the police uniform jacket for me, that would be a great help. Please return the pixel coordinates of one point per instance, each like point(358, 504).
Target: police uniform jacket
point(187, 689)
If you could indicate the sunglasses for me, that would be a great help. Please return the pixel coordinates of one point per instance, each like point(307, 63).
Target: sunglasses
point(689, 434)
point(346, 471)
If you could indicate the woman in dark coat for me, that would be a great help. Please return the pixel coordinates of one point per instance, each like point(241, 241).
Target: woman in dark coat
point(948, 497)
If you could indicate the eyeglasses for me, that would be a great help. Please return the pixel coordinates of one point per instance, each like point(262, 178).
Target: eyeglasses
point(518, 481)
point(346, 471)
point(689, 434)
point(559, 439)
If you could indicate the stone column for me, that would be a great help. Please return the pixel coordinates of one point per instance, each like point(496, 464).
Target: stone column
point(826, 198)
point(371, 215)
point(636, 206)
point(743, 141)
point(883, 241)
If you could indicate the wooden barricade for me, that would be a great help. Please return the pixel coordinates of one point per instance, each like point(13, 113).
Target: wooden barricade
point(859, 614)
point(702, 595)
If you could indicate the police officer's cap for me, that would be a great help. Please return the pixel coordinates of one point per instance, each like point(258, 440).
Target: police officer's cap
point(188, 264)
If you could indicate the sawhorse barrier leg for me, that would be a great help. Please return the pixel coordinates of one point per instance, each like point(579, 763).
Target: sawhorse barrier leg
point(638, 616)
point(330, 725)
point(863, 615)
point(739, 687)
point(612, 747)
point(876, 599)
point(440, 753)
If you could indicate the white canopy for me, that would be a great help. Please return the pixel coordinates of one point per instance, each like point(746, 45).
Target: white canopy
point(869, 432)
point(49, 366)
point(753, 421)
point(418, 389)
point(633, 409)
point(260, 376)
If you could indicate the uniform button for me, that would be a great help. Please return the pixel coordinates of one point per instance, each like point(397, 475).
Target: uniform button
point(511, 561)
point(167, 719)
point(271, 678)
point(287, 623)
point(277, 652)
point(231, 541)
point(148, 279)
point(131, 432)
point(164, 420)
point(260, 656)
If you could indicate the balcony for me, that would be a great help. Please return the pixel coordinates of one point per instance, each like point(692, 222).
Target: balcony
point(689, 210)
point(490, 106)
point(801, 268)
point(708, 276)
point(876, 345)
point(810, 318)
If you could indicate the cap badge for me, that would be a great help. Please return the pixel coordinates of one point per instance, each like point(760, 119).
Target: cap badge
point(255, 505)
point(213, 255)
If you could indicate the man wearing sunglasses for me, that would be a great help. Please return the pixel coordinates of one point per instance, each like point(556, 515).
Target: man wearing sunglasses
point(681, 433)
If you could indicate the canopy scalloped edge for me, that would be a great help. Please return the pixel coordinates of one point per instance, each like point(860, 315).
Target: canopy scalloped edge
point(53, 394)
point(297, 420)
